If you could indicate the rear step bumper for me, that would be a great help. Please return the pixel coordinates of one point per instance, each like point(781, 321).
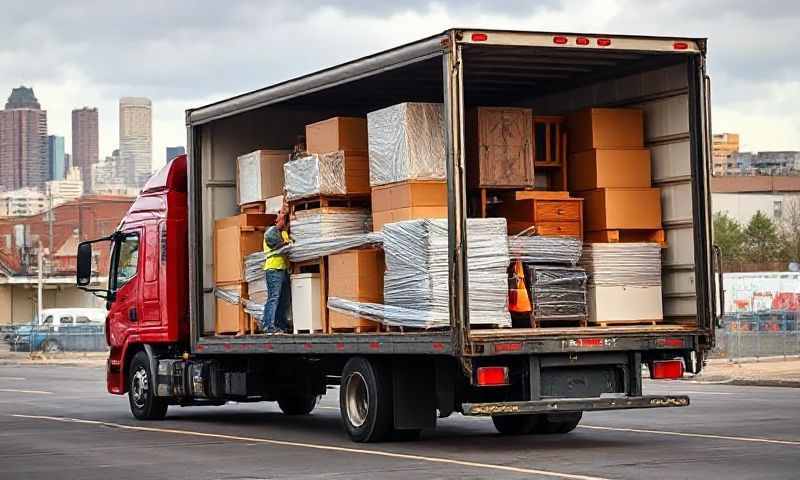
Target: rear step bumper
point(574, 405)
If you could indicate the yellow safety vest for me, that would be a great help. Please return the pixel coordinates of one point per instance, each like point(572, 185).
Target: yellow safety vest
point(276, 262)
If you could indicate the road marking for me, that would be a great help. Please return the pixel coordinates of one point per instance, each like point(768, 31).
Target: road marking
point(12, 378)
point(379, 453)
point(697, 392)
point(33, 392)
point(696, 435)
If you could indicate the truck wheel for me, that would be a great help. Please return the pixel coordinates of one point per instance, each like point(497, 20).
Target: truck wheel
point(516, 424)
point(365, 400)
point(298, 404)
point(145, 405)
point(52, 346)
point(554, 423)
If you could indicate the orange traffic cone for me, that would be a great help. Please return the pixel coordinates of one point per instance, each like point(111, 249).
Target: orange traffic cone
point(518, 299)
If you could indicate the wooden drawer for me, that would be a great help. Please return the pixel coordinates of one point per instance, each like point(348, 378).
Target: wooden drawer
point(557, 210)
point(551, 229)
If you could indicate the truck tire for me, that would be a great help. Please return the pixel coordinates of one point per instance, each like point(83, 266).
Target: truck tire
point(52, 346)
point(145, 405)
point(365, 400)
point(298, 404)
point(556, 423)
point(516, 424)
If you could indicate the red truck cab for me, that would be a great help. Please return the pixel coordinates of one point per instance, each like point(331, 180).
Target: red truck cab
point(147, 280)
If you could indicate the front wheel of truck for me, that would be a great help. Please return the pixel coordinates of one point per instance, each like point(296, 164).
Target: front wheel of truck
point(516, 424)
point(298, 404)
point(555, 423)
point(145, 405)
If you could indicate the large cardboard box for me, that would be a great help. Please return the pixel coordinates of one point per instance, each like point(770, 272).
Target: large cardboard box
point(337, 133)
point(234, 238)
point(609, 168)
point(379, 219)
point(357, 275)
point(615, 304)
point(259, 175)
point(230, 318)
point(605, 128)
point(409, 194)
point(342, 172)
point(621, 208)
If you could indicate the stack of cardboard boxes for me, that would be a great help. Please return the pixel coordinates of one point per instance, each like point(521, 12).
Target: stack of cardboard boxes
point(609, 168)
point(355, 275)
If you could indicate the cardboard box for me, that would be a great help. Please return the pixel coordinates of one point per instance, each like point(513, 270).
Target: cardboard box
point(605, 128)
point(357, 275)
point(234, 238)
point(607, 168)
point(379, 219)
point(335, 173)
point(621, 208)
point(230, 318)
point(409, 194)
point(259, 175)
point(617, 304)
point(337, 133)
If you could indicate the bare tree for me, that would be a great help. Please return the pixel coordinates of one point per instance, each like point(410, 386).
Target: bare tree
point(790, 228)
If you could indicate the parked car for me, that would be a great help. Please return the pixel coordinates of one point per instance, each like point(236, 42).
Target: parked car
point(76, 338)
point(58, 317)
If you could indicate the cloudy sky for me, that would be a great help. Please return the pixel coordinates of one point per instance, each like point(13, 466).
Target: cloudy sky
point(186, 53)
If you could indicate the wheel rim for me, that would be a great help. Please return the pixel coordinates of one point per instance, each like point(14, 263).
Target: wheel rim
point(51, 347)
point(356, 399)
point(140, 385)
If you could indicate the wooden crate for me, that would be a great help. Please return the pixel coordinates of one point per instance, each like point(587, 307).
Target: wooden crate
point(500, 147)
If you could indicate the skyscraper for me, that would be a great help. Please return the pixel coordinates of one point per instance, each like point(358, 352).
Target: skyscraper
point(23, 142)
point(85, 151)
point(56, 165)
point(135, 139)
point(173, 152)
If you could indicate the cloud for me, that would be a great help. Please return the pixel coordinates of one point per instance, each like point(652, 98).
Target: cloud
point(187, 53)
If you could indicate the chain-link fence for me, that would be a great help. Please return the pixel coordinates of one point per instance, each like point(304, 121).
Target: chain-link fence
point(759, 334)
point(88, 337)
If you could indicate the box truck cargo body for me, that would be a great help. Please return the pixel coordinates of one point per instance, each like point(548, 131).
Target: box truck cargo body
point(525, 378)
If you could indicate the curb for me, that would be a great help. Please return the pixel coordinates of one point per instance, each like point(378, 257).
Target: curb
point(745, 382)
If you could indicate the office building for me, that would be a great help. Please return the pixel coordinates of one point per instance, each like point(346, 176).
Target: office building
point(173, 152)
point(22, 202)
point(106, 174)
point(723, 146)
point(135, 140)
point(56, 164)
point(61, 191)
point(23, 142)
point(84, 143)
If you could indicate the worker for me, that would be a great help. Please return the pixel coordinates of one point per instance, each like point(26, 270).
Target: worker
point(276, 274)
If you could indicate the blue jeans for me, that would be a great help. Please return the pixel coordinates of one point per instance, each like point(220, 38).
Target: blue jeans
point(278, 298)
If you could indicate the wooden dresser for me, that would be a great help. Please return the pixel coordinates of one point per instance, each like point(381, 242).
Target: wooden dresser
point(548, 213)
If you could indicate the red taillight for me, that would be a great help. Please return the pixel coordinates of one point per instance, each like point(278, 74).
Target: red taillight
point(680, 45)
point(603, 42)
point(508, 347)
point(560, 40)
point(667, 369)
point(492, 376)
point(479, 37)
point(582, 41)
point(670, 342)
point(589, 342)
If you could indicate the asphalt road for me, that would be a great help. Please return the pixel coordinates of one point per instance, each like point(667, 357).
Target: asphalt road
point(58, 423)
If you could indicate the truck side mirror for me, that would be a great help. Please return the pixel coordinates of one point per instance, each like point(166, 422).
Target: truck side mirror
point(84, 266)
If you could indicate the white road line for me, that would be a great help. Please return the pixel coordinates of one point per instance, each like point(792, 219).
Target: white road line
point(696, 435)
point(33, 392)
point(697, 392)
point(379, 453)
point(12, 378)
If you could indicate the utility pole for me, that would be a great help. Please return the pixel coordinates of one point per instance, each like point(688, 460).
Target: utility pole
point(39, 286)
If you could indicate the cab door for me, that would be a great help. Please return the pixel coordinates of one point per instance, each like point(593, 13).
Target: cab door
point(124, 287)
point(150, 321)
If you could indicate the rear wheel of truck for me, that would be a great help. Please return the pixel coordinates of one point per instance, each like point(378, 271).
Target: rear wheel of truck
point(555, 423)
point(365, 400)
point(141, 394)
point(298, 404)
point(516, 424)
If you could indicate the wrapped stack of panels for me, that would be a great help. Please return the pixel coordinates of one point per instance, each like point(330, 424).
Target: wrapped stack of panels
point(558, 293)
point(327, 174)
point(545, 250)
point(406, 142)
point(329, 222)
point(259, 175)
point(416, 277)
point(624, 282)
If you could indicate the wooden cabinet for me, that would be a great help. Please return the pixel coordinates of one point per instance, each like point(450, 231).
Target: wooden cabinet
point(547, 215)
point(500, 150)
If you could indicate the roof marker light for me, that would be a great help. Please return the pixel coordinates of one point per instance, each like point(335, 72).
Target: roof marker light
point(680, 45)
point(582, 41)
point(603, 42)
point(479, 37)
point(560, 40)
